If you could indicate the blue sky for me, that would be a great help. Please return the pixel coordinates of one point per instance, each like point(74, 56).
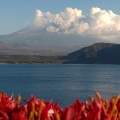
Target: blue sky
point(14, 14)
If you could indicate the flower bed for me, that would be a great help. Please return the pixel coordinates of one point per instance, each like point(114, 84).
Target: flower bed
point(38, 109)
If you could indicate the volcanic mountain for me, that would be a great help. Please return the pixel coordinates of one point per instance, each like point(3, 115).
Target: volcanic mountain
point(26, 42)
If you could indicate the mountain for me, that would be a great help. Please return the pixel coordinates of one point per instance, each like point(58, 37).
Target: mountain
point(98, 53)
point(37, 42)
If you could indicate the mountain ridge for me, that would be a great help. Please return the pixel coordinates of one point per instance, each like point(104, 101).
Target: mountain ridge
point(98, 53)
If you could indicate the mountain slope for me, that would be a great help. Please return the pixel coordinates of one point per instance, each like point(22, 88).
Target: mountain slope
point(44, 43)
point(103, 53)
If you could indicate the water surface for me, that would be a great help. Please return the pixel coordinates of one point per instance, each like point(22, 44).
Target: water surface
point(60, 82)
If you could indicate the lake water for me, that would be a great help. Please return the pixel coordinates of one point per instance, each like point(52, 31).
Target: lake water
point(60, 82)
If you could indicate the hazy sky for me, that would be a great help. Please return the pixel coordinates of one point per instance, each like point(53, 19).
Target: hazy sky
point(16, 14)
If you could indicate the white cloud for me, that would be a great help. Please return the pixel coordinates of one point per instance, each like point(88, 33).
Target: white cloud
point(64, 22)
point(101, 23)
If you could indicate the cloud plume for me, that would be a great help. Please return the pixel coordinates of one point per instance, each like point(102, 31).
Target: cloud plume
point(102, 23)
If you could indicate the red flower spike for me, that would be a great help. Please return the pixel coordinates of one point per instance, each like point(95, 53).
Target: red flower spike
point(31, 116)
point(58, 109)
point(31, 111)
point(47, 112)
point(57, 116)
point(3, 115)
point(18, 99)
point(98, 96)
point(73, 112)
point(114, 109)
point(101, 102)
point(18, 116)
point(91, 99)
point(95, 112)
point(40, 108)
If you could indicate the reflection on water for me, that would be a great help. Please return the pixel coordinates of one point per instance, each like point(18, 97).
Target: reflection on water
point(63, 83)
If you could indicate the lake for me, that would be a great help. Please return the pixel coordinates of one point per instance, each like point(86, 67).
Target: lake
point(62, 83)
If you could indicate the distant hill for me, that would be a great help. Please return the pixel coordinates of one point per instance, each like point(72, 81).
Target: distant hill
point(98, 53)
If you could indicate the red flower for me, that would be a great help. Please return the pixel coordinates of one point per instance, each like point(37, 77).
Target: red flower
point(36, 109)
point(73, 112)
